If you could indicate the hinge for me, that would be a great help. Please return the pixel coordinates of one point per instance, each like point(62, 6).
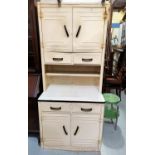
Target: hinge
point(41, 15)
point(99, 141)
point(102, 45)
point(42, 44)
point(105, 13)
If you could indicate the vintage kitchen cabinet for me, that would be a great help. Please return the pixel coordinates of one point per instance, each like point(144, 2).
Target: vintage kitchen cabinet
point(72, 40)
point(71, 117)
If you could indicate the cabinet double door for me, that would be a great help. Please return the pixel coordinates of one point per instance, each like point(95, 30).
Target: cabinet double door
point(72, 29)
point(70, 130)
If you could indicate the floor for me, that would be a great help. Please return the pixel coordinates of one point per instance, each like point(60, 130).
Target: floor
point(114, 141)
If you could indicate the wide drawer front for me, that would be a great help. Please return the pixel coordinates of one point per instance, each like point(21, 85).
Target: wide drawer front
point(87, 108)
point(57, 58)
point(54, 107)
point(87, 58)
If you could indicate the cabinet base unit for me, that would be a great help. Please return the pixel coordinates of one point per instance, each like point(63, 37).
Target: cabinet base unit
point(71, 118)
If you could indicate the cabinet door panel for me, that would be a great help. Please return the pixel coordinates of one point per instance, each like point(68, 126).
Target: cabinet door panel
point(56, 129)
point(85, 130)
point(56, 25)
point(88, 25)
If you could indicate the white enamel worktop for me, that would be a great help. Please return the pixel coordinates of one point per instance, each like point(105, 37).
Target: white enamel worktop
point(72, 93)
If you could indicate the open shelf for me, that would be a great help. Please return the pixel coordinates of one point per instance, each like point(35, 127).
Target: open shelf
point(73, 74)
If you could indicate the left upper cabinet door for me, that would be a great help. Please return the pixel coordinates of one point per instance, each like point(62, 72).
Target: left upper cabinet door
point(56, 29)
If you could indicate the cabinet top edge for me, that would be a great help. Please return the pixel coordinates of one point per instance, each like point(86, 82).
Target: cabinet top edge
point(47, 4)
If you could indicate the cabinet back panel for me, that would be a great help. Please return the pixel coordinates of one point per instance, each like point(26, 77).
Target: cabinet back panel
point(72, 69)
point(72, 80)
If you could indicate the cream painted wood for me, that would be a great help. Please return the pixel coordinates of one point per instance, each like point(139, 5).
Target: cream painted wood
point(87, 58)
point(70, 80)
point(79, 77)
point(95, 108)
point(58, 58)
point(88, 136)
point(53, 31)
point(72, 75)
point(48, 11)
point(90, 38)
point(106, 20)
point(56, 107)
point(41, 47)
point(52, 129)
point(88, 130)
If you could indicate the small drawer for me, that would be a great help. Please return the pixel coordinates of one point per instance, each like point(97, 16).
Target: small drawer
point(54, 107)
point(86, 108)
point(57, 58)
point(87, 58)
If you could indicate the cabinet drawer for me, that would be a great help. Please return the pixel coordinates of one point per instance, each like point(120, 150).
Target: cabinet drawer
point(57, 58)
point(87, 108)
point(54, 107)
point(87, 58)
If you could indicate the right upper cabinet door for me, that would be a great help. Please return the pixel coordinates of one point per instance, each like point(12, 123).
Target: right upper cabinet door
point(88, 26)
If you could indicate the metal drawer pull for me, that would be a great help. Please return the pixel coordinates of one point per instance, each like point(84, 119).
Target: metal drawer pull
point(86, 110)
point(67, 34)
point(65, 130)
point(55, 108)
point(87, 60)
point(77, 34)
point(76, 130)
point(57, 59)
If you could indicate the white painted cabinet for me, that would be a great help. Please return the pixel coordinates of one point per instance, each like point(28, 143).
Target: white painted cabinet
point(88, 25)
point(85, 129)
point(55, 129)
point(72, 40)
point(71, 129)
point(56, 29)
point(71, 118)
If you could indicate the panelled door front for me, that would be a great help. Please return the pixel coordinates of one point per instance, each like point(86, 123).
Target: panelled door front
point(85, 130)
point(55, 129)
point(56, 28)
point(88, 25)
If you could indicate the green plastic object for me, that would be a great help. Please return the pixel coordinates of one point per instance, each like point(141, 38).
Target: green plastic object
point(111, 98)
point(111, 113)
point(111, 101)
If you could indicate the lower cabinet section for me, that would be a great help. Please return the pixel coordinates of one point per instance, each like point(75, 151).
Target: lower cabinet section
point(72, 129)
point(85, 130)
point(56, 129)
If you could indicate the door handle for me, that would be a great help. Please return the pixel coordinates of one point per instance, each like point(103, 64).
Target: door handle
point(86, 110)
point(57, 59)
point(66, 133)
point(67, 34)
point(87, 60)
point(59, 3)
point(55, 108)
point(77, 34)
point(76, 130)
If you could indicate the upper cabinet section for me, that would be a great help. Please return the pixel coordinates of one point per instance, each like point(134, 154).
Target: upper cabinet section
point(71, 28)
point(56, 29)
point(88, 25)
